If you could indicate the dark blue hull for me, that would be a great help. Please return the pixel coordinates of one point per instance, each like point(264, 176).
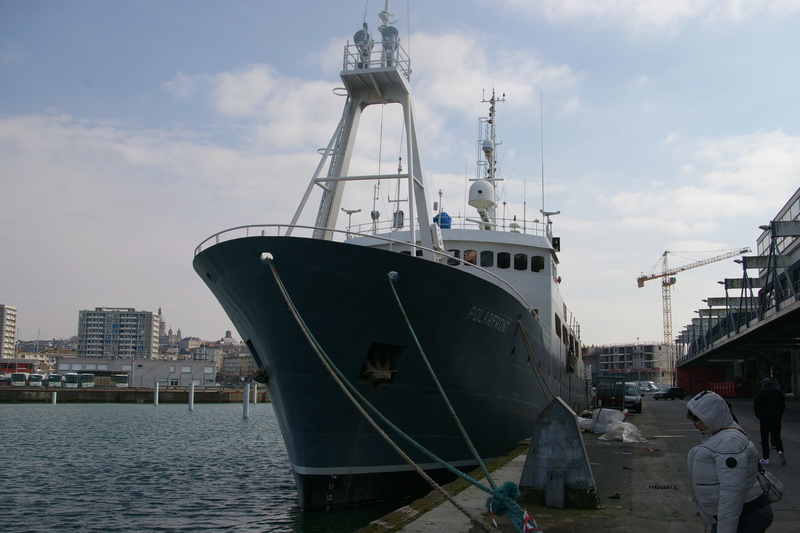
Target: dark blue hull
point(467, 326)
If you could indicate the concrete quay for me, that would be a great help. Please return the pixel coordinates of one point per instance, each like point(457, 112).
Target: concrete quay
point(641, 486)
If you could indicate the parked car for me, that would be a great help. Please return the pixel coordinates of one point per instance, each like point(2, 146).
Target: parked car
point(633, 398)
point(670, 393)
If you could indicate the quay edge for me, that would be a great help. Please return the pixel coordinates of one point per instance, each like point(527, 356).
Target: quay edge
point(129, 395)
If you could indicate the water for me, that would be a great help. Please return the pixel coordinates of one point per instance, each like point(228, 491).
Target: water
point(131, 467)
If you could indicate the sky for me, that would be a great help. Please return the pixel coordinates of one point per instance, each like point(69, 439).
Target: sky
point(131, 131)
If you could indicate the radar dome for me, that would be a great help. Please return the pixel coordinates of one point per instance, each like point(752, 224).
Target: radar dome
point(481, 194)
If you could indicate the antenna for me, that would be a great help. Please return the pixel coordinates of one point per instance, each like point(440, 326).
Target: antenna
point(541, 128)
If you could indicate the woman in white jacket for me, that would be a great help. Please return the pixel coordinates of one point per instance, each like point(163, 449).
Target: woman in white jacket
point(722, 470)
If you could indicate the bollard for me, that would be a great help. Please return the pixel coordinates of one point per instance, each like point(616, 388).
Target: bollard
point(155, 394)
point(191, 396)
point(246, 401)
point(53, 396)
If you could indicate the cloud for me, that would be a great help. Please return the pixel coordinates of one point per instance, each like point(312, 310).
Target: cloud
point(282, 112)
point(181, 86)
point(462, 63)
point(108, 213)
point(642, 17)
point(719, 181)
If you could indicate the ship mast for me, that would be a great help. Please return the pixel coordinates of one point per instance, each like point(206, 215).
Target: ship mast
point(373, 77)
point(482, 195)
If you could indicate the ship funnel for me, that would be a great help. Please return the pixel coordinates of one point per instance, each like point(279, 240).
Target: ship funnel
point(481, 194)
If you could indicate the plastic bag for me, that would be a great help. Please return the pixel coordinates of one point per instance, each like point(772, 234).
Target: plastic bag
point(771, 485)
point(602, 419)
point(624, 431)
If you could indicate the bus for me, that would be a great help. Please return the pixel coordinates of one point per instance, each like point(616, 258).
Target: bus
point(72, 380)
point(35, 380)
point(87, 381)
point(19, 379)
point(54, 380)
point(121, 380)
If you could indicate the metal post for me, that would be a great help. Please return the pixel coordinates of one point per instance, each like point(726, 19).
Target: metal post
point(191, 396)
point(255, 393)
point(155, 394)
point(246, 401)
point(53, 396)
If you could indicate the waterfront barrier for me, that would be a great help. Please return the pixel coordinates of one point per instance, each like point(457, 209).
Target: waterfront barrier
point(123, 395)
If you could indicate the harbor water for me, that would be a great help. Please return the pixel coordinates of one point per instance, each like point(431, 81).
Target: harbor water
point(134, 467)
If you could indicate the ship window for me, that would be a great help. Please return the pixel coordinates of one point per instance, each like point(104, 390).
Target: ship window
point(520, 261)
point(452, 261)
point(487, 258)
point(537, 263)
point(558, 326)
point(470, 256)
point(503, 260)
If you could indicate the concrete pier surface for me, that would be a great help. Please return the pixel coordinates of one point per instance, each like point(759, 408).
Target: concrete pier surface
point(642, 487)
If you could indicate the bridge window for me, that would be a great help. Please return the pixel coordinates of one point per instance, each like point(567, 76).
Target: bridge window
point(470, 256)
point(503, 260)
point(520, 261)
point(487, 258)
point(537, 263)
point(453, 261)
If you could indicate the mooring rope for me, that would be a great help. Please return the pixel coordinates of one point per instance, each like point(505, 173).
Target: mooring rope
point(536, 370)
point(392, 278)
point(351, 393)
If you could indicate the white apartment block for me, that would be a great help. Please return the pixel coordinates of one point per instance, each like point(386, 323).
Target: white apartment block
point(8, 330)
point(118, 332)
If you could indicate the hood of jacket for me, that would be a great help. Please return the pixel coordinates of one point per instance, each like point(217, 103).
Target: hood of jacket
point(712, 410)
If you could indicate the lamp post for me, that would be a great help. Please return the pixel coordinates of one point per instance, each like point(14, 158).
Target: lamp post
point(639, 366)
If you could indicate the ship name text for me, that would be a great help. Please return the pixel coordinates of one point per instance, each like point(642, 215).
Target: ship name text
point(488, 319)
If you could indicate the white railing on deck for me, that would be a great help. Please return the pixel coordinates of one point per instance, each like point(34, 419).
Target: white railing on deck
point(458, 222)
point(377, 58)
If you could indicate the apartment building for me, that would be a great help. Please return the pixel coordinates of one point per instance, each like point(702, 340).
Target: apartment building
point(8, 330)
point(118, 332)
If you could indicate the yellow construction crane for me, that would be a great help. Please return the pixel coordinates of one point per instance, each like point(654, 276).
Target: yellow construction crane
point(667, 282)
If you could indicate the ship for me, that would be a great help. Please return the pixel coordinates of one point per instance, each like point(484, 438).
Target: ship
point(396, 351)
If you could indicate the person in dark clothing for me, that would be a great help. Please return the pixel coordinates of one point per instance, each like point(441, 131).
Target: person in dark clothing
point(769, 406)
